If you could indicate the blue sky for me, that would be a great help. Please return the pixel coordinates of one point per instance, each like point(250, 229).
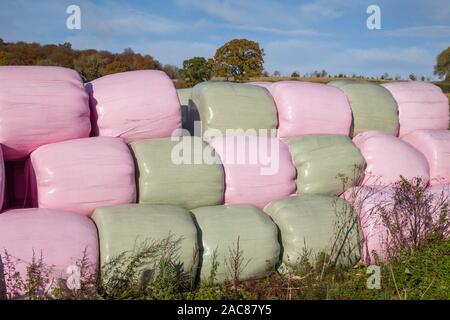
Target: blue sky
point(296, 35)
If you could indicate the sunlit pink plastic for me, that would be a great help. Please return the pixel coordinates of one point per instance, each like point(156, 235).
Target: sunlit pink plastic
point(374, 234)
point(82, 175)
point(435, 146)
point(310, 108)
point(38, 106)
point(2, 179)
point(134, 105)
point(421, 105)
point(388, 158)
point(258, 170)
point(61, 238)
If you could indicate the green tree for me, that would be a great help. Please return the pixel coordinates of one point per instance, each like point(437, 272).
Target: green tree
point(412, 77)
point(90, 66)
point(172, 71)
point(196, 70)
point(114, 67)
point(442, 67)
point(295, 74)
point(240, 59)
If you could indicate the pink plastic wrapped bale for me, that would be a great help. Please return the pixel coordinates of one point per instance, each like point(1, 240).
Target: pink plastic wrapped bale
point(134, 105)
point(421, 105)
point(368, 202)
point(62, 239)
point(435, 146)
point(258, 170)
point(310, 108)
point(388, 158)
point(38, 106)
point(82, 175)
point(2, 179)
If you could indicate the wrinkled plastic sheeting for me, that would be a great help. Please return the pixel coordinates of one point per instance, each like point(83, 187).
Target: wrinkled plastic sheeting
point(421, 105)
point(82, 175)
point(134, 105)
point(372, 105)
point(38, 106)
point(234, 106)
point(326, 164)
point(175, 172)
point(368, 201)
point(310, 108)
point(319, 224)
point(388, 158)
point(62, 239)
point(2, 179)
point(435, 146)
point(258, 170)
point(228, 230)
point(126, 229)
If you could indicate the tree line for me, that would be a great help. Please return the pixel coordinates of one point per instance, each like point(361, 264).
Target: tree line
point(237, 60)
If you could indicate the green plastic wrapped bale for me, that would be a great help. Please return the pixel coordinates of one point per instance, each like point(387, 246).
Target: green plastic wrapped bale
point(184, 95)
point(127, 229)
point(189, 113)
point(226, 105)
point(173, 172)
point(319, 224)
point(227, 231)
point(326, 164)
point(372, 105)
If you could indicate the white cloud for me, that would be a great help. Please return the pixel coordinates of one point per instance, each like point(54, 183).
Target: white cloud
point(421, 31)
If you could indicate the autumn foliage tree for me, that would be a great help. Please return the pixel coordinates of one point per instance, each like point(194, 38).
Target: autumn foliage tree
point(442, 67)
point(240, 59)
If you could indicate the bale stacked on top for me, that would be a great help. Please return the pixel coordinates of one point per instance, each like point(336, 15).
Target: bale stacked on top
point(176, 172)
point(38, 106)
point(127, 229)
point(82, 175)
point(310, 108)
point(435, 146)
point(319, 224)
point(231, 231)
point(226, 105)
point(421, 105)
point(326, 164)
point(372, 105)
point(388, 158)
point(257, 169)
point(134, 105)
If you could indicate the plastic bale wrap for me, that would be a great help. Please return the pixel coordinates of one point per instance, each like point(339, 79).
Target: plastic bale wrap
point(257, 169)
point(173, 172)
point(127, 229)
point(372, 105)
point(264, 84)
point(368, 201)
point(134, 105)
point(326, 164)
point(435, 146)
point(388, 158)
point(310, 108)
point(38, 106)
point(231, 231)
point(2, 179)
point(318, 224)
point(234, 106)
point(421, 105)
point(82, 175)
point(189, 113)
point(62, 239)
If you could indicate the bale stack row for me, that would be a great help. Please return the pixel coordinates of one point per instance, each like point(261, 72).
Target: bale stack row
point(110, 155)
